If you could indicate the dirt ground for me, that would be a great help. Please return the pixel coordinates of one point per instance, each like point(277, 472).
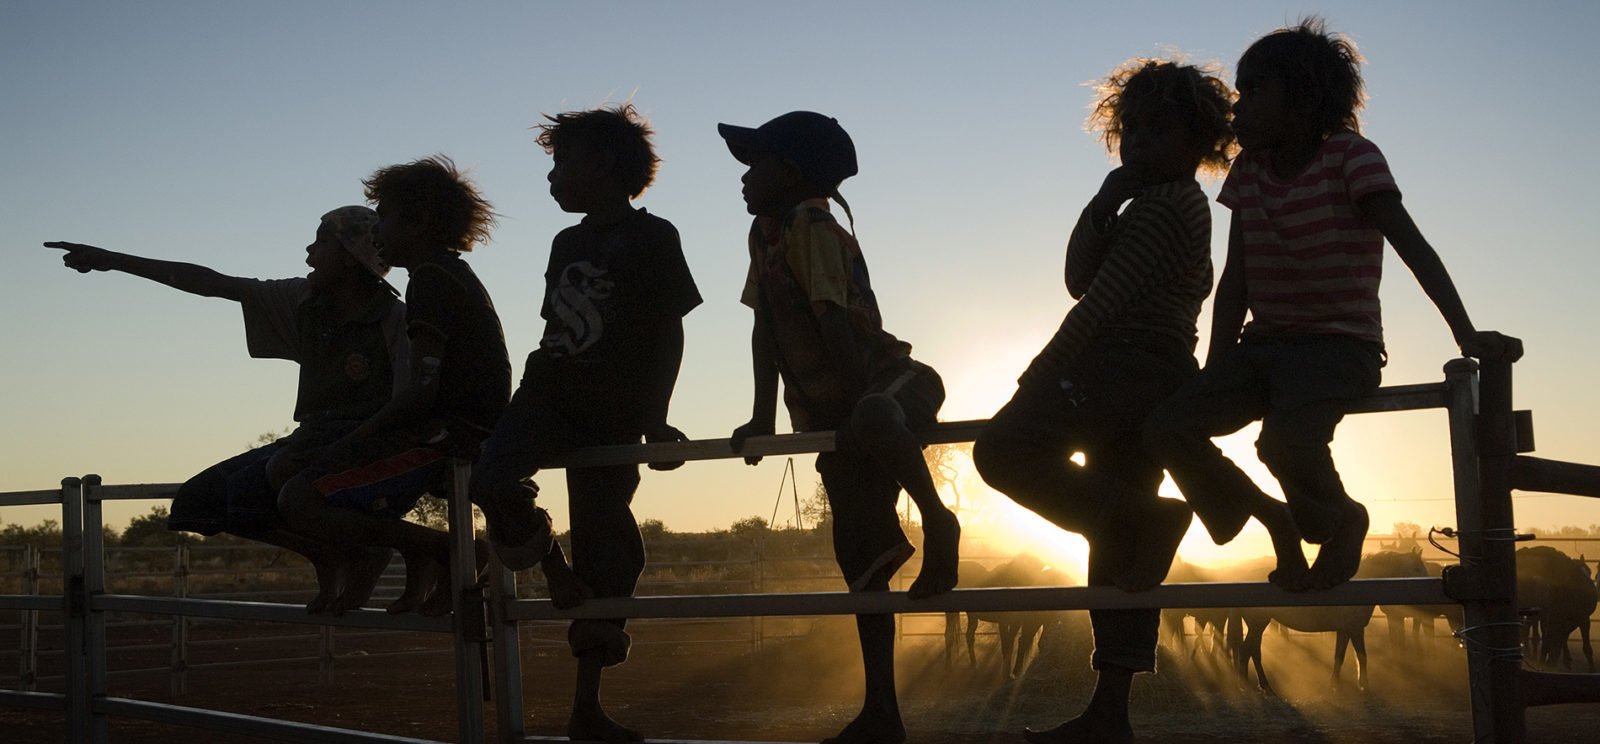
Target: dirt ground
point(804, 688)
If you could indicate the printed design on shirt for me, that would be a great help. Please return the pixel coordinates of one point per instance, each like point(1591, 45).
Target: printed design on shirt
point(357, 367)
point(576, 300)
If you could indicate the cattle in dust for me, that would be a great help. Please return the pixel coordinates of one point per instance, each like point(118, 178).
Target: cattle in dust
point(1347, 623)
point(1558, 594)
point(1017, 631)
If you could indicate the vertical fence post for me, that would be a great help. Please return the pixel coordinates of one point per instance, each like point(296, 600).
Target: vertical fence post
point(325, 655)
point(466, 608)
point(94, 585)
point(757, 623)
point(72, 594)
point(180, 623)
point(507, 656)
point(1483, 442)
point(28, 665)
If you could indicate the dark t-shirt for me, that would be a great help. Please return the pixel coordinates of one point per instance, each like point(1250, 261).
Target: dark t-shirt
point(348, 368)
point(609, 290)
point(444, 298)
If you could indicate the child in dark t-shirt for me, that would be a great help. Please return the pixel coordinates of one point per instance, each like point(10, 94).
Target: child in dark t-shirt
point(616, 291)
point(459, 379)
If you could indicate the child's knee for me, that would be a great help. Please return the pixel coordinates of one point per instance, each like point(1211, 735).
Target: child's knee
point(1161, 435)
point(995, 458)
point(876, 418)
point(297, 497)
point(1289, 456)
point(496, 485)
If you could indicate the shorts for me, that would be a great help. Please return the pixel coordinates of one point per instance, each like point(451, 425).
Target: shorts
point(235, 495)
point(387, 473)
point(868, 541)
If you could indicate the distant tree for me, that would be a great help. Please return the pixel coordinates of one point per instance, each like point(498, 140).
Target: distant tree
point(750, 527)
point(653, 530)
point(150, 530)
point(944, 464)
point(814, 509)
point(45, 533)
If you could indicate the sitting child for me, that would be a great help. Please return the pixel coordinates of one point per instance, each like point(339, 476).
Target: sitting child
point(458, 380)
point(817, 327)
point(616, 291)
point(1313, 202)
point(344, 325)
point(1139, 279)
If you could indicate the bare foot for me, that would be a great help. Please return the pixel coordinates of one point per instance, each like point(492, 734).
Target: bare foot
point(566, 589)
point(1340, 556)
point(941, 563)
point(366, 567)
point(869, 728)
point(423, 573)
point(594, 725)
point(1160, 529)
point(441, 601)
point(1290, 575)
point(1088, 728)
point(330, 576)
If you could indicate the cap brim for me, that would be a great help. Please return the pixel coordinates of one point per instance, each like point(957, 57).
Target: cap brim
point(742, 141)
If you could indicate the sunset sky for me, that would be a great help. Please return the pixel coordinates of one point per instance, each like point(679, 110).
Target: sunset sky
point(217, 133)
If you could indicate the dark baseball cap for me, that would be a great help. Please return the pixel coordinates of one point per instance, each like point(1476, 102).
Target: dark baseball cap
point(815, 143)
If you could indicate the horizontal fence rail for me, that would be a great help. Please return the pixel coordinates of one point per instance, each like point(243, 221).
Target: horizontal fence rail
point(1486, 456)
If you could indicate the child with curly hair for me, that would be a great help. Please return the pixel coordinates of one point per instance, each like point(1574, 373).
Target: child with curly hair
point(458, 380)
point(1139, 276)
point(1313, 202)
point(616, 291)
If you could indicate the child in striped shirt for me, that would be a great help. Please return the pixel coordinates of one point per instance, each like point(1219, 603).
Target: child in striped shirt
point(1313, 202)
point(1140, 278)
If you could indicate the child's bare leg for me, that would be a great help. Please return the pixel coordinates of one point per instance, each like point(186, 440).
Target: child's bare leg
point(596, 644)
point(879, 720)
point(326, 560)
point(566, 589)
point(309, 512)
point(1274, 515)
point(362, 572)
point(423, 573)
point(1104, 721)
point(589, 721)
point(878, 427)
point(441, 600)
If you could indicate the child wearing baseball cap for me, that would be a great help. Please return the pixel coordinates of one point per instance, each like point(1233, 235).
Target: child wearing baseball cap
point(818, 329)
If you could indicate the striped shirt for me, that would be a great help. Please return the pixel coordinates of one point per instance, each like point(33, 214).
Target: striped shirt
point(1147, 276)
point(1312, 263)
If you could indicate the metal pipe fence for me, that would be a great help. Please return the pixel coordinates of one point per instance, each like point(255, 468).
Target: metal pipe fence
point(1487, 444)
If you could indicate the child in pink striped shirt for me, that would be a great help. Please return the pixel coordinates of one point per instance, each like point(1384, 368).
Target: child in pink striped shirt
point(1313, 202)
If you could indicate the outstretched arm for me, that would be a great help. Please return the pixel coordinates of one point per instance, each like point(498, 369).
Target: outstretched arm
point(764, 366)
point(1386, 210)
point(190, 278)
point(1228, 309)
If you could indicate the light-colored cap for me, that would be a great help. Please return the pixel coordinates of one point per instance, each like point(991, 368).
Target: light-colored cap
point(357, 229)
